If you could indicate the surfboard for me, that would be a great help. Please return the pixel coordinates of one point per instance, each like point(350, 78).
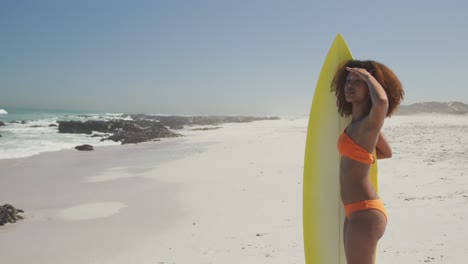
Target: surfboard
point(323, 212)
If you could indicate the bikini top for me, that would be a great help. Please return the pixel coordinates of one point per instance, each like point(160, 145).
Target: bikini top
point(348, 148)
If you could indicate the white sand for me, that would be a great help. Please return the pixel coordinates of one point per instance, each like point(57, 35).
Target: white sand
point(91, 211)
point(425, 189)
point(232, 195)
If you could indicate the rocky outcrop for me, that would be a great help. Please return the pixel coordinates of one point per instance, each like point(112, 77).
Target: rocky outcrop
point(134, 133)
point(178, 122)
point(84, 147)
point(147, 127)
point(78, 127)
point(2, 124)
point(9, 214)
point(124, 131)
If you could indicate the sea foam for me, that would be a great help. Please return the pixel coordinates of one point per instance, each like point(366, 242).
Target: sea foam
point(37, 132)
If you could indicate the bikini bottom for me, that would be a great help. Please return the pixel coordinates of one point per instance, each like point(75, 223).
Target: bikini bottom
point(365, 205)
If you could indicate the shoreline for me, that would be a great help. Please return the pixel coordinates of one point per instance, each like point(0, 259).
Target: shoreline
point(37, 133)
point(232, 195)
point(169, 201)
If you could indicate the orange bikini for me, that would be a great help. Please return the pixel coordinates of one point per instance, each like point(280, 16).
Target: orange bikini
point(348, 148)
point(365, 205)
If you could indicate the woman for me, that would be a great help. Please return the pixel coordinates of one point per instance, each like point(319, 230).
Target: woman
point(369, 92)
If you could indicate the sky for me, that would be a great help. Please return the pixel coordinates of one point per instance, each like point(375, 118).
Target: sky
point(216, 57)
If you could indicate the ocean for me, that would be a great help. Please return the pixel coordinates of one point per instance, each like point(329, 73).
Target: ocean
point(28, 132)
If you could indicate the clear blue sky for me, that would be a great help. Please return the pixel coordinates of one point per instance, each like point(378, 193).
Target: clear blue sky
point(219, 57)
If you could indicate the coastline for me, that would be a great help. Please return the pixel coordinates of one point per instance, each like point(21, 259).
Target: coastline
point(230, 195)
point(31, 132)
point(203, 198)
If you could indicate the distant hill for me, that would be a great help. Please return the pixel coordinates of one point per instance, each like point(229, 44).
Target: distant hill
point(433, 108)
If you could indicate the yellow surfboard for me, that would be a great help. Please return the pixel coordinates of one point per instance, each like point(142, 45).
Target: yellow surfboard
point(323, 212)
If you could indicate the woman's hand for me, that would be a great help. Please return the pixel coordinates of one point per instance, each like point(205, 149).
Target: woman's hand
point(378, 96)
point(360, 72)
point(384, 151)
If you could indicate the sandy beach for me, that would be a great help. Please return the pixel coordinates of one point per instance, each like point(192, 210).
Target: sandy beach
point(425, 188)
point(231, 195)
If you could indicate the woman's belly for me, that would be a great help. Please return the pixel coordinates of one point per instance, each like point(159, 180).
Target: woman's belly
point(355, 182)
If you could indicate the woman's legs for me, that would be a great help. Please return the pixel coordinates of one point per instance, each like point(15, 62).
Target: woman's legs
point(361, 233)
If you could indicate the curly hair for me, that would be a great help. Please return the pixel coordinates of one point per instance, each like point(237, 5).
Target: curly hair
point(381, 73)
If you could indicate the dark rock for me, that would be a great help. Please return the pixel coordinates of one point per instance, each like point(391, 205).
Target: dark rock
point(9, 214)
point(84, 147)
point(23, 122)
point(2, 124)
point(178, 122)
point(124, 131)
point(134, 133)
point(53, 125)
point(78, 127)
point(146, 127)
